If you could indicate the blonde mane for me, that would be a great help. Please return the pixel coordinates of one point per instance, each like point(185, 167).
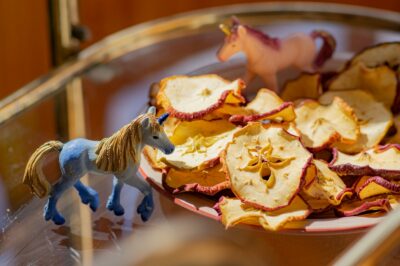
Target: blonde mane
point(113, 153)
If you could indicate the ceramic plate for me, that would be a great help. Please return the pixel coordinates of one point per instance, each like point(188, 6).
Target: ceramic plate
point(203, 205)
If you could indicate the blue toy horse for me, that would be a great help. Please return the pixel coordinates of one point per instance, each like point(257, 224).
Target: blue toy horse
point(118, 155)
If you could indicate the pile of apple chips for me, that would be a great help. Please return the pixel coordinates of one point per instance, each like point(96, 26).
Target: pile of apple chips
point(327, 144)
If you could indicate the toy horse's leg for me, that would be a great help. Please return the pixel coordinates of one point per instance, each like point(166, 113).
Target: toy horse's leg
point(309, 68)
point(50, 209)
point(88, 195)
point(145, 208)
point(271, 81)
point(113, 203)
point(306, 65)
point(249, 76)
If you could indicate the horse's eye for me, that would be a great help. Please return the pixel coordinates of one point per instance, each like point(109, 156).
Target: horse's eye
point(155, 137)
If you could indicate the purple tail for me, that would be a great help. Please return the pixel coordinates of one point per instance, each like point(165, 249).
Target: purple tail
point(327, 49)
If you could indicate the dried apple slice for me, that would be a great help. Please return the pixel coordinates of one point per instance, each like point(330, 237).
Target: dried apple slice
point(368, 186)
point(321, 126)
point(266, 105)
point(198, 144)
point(374, 118)
point(394, 201)
point(266, 165)
point(395, 139)
point(169, 126)
point(396, 105)
point(380, 54)
point(310, 176)
point(317, 205)
point(190, 98)
point(185, 129)
point(306, 86)
point(231, 109)
point(356, 207)
point(382, 161)
point(234, 212)
point(327, 185)
point(291, 128)
point(380, 81)
point(207, 181)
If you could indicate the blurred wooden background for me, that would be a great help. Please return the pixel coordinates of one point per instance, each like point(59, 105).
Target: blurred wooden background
point(24, 29)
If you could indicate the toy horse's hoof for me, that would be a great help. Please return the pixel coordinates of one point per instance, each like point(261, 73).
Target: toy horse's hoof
point(145, 212)
point(145, 216)
point(85, 200)
point(116, 208)
point(90, 197)
point(94, 203)
point(58, 219)
point(119, 212)
point(47, 216)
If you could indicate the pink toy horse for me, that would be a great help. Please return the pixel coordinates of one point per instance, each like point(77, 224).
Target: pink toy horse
point(266, 55)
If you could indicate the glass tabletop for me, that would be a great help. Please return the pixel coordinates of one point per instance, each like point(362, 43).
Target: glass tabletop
point(114, 76)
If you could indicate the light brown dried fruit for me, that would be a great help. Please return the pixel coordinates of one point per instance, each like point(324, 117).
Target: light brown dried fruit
point(395, 139)
point(306, 86)
point(380, 54)
point(234, 212)
point(317, 205)
point(374, 118)
point(380, 81)
point(198, 144)
point(322, 126)
point(368, 186)
point(191, 98)
point(356, 207)
point(265, 106)
point(207, 181)
point(327, 185)
point(266, 165)
point(380, 161)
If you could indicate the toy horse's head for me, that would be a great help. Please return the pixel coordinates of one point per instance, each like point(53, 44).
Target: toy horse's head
point(153, 133)
point(233, 39)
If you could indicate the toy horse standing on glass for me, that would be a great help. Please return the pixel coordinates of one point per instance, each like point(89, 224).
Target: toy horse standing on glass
point(266, 55)
point(118, 155)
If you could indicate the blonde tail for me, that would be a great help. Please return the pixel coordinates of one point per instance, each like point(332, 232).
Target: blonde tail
point(33, 176)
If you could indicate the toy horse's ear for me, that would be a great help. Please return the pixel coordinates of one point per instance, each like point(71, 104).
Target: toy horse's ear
point(235, 21)
point(146, 122)
point(241, 30)
point(151, 110)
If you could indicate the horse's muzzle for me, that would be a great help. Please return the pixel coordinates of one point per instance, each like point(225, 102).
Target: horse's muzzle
point(221, 58)
point(169, 150)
